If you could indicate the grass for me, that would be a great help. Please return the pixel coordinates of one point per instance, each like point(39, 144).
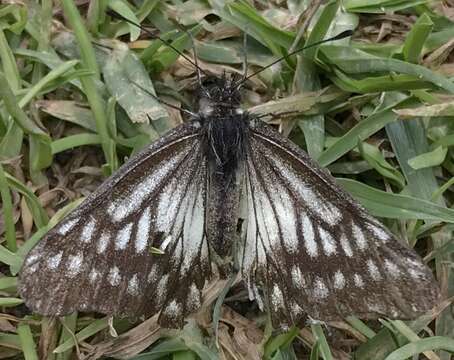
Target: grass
point(377, 110)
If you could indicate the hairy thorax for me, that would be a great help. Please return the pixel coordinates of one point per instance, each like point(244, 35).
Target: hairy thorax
point(225, 125)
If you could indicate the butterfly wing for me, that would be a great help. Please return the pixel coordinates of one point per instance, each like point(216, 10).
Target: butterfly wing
point(98, 258)
point(314, 250)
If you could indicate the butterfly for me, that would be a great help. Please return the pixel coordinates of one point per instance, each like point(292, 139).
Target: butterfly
point(224, 193)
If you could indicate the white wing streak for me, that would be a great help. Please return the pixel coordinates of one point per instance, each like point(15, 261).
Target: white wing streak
point(311, 248)
point(133, 199)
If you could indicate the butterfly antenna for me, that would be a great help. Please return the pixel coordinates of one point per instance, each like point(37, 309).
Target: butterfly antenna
point(196, 62)
point(121, 17)
point(342, 35)
point(244, 77)
point(148, 92)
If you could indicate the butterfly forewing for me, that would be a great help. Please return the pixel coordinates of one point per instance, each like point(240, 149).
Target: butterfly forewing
point(99, 258)
point(314, 250)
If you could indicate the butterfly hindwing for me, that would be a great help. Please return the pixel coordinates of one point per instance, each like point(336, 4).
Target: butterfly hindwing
point(99, 257)
point(314, 250)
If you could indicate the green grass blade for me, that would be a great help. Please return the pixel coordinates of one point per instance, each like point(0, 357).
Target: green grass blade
point(361, 131)
point(7, 207)
point(11, 105)
point(74, 141)
point(83, 38)
point(388, 205)
point(27, 342)
point(88, 331)
point(322, 343)
point(416, 38)
point(417, 347)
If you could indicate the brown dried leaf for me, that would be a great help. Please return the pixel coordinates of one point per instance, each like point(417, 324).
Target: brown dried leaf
point(6, 326)
point(26, 217)
point(247, 337)
point(48, 338)
point(440, 55)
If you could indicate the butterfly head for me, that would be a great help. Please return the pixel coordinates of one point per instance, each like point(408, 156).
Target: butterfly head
point(219, 96)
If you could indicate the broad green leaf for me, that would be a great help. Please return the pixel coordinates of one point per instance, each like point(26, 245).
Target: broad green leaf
point(27, 342)
point(280, 341)
point(130, 84)
point(375, 158)
point(416, 38)
point(123, 8)
point(388, 205)
point(361, 131)
point(354, 61)
point(429, 159)
point(322, 343)
point(417, 347)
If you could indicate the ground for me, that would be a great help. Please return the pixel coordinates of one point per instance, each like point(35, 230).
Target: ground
point(375, 109)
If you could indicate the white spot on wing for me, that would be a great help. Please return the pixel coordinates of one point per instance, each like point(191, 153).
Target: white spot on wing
point(277, 299)
point(114, 276)
point(162, 288)
point(153, 274)
point(123, 237)
point(103, 242)
point(345, 244)
point(359, 237)
point(173, 310)
point(320, 290)
point(67, 226)
point(416, 274)
point(373, 270)
point(249, 251)
point(74, 264)
point(286, 215)
point(297, 277)
point(143, 230)
point(269, 229)
point(30, 269)
point(165, 243)
point(54, 261)
point(193, 301)
point(296, 309)
point(339, 280)
point(309, 238)
point(193, 231)
point(94, 275)
point(133, 285)
point(168, 204)
point(31, 259)
point(392, 268)
point(132, 201)
point(358, 280)
point(328, 243)
point(88, 230)
point(379, 232)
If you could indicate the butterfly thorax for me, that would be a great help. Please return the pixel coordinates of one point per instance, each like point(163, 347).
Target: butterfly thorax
point(224, 123)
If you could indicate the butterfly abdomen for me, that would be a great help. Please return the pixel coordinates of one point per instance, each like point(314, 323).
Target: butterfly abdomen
point(224, 145)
